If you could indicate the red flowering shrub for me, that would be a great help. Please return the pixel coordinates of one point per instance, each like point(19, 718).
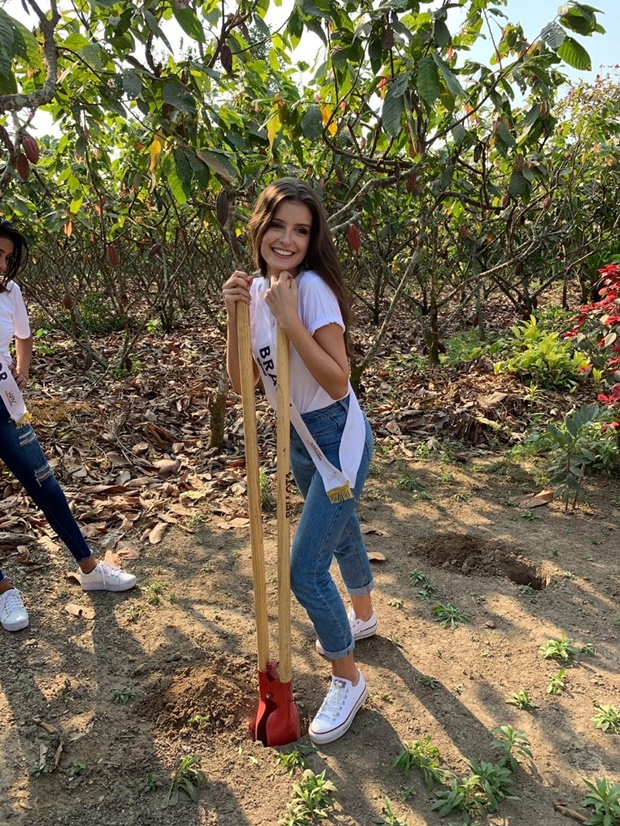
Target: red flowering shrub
point(596, 331)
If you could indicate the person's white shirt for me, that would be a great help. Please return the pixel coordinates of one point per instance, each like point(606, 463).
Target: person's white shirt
point(13, 318)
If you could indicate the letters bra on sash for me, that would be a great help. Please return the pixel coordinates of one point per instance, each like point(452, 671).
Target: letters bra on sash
point(11, 395)
point(339, 484)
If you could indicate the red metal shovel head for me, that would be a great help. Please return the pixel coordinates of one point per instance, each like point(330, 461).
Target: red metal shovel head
point(277, 718)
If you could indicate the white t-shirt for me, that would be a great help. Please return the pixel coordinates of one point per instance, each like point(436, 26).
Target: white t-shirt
point(317, 306)
point(13, 318)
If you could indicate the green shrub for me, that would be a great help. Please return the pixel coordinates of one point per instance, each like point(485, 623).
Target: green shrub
point(543, 356)
point(582, 442)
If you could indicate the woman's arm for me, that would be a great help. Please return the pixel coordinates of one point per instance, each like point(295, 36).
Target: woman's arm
point(23, 358)
point(324, 353)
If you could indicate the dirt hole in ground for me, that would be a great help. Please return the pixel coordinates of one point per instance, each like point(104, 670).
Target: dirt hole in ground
point(210, 697)
point(474, 556)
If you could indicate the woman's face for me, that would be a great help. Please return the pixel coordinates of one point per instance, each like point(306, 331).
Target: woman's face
point(6, 251)
point(285, 243)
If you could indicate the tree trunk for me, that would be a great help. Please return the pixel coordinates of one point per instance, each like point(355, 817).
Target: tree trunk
point(217, 410)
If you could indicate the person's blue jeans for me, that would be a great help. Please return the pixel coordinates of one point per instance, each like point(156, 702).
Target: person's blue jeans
point(326, 530)
point(22, 454)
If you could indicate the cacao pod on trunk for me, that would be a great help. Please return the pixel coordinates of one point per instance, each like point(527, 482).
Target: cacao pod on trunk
point(353, 237)
point(23, 167)
point(31, 148)
point(221, 208)
point(112, 255)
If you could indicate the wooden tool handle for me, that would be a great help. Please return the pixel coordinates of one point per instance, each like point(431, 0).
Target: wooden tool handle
point(246, 369)
point(284, 528)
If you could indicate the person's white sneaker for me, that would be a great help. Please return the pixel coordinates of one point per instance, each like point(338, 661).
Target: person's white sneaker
point(361, 629)
point(338, 710)
point(13, 615)
point(106, 577)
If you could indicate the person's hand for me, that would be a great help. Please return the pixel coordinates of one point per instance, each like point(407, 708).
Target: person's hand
point(281, 297)
point(20, 379)
point(237, 288)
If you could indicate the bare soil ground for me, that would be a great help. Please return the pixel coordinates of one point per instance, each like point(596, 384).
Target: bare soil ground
point(182, 645)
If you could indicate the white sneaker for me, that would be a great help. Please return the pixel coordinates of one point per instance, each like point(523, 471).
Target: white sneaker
point(361, 629)
point(13, 615)
point(106, 577)
point(339, 708)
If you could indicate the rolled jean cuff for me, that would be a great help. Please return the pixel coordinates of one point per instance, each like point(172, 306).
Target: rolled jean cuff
point(361, 592)
point(338, 655)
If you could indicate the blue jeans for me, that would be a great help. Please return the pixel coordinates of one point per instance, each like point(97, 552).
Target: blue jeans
point(326, 530)
point(22, 454)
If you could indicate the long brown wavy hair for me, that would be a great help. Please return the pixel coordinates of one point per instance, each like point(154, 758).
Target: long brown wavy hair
point(322, 256)
point(19, 258)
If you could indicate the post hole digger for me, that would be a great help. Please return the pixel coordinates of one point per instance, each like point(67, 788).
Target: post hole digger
point(277, 718)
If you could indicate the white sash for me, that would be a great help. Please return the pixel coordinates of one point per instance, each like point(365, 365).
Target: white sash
point(11, 395)
point(339, 484)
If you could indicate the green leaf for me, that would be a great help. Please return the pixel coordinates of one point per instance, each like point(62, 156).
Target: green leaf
point(579, 19)
point(575, 55)
point(132, 84)
point(26, 46)
point(532, 116)
point(273, 60)
point(450, 79)
point(189, 22)
point(316, 27)
point(518, 185)
point(218, 162)
point(76, 203)
point(8, 85)
point(75, 41)
point(312, 122)
point(427, 80)
point(393, 107)
point(176, 94)
point(505, 134)
point(174, 181)
point(459, 134)
point(7, 35)
point(151, 22)
point(553, 35)
point(92, 54)
point(441, 34)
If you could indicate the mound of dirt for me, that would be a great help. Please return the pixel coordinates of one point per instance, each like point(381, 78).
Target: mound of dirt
point(212, 697)
point(475, 556)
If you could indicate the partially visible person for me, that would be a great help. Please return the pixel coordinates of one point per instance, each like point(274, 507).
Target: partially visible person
point(20, 449)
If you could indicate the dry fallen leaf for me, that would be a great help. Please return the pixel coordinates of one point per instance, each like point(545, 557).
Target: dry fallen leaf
point(393, 428)
point(127, 552)
point(113, 559)
point(534, 500)
point(166, 467)
point(84, 611)
point(157, 533)
point(58, 755)
point(375, 556)
point(48, 545)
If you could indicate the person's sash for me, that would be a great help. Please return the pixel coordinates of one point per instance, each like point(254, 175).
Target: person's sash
point(11, 395)
point(339, 484)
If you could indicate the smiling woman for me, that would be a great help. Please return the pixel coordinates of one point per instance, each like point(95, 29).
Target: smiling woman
point(302, 290)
